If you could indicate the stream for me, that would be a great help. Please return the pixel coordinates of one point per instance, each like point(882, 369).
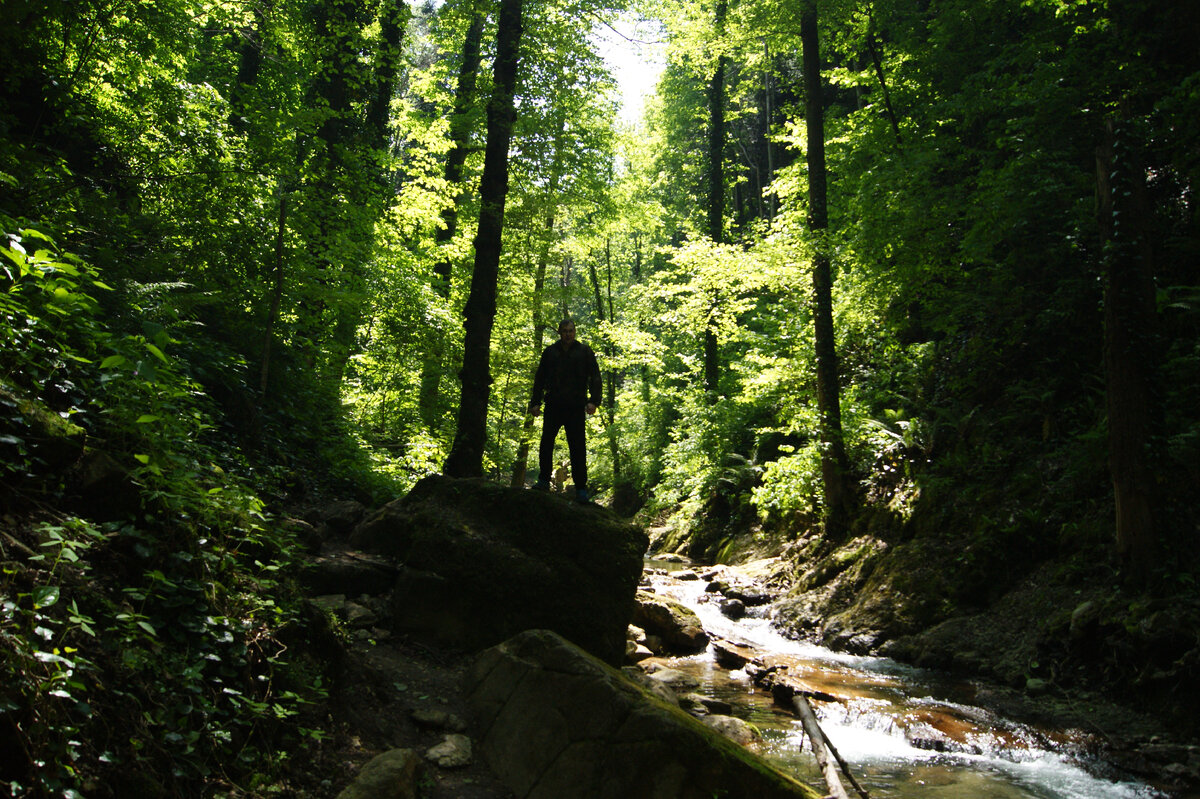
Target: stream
point(905, 732)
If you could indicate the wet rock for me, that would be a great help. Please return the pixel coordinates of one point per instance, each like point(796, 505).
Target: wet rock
point(675, 679)
point(687, 575)
point(733, 608)
point(733, 728)
point(678, 626)
point(561, 723)
point(484, 562)
point(392, 775)
point(750, 597)
point(453, 752)
point(636, 653)
point(656, 687)
point(699, 704)
point(732, 655)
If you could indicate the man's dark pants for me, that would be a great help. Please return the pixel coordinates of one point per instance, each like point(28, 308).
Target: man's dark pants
point(572, 420)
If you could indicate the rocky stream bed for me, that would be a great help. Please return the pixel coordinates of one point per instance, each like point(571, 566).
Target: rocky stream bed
point(421, 590)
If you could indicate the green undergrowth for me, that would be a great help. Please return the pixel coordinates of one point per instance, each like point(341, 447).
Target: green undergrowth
point(151, 636)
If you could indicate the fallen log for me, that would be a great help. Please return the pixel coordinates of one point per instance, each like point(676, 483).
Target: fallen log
point(823, 750)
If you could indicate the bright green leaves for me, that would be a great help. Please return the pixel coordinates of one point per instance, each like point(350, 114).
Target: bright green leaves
point(44, 596)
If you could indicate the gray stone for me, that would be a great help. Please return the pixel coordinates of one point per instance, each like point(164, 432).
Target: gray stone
point(677, 680)
point(453, 752)
point(733, 728)
point(558, 722)
point(677, 626)
point(636, 653)
point(359, 616)
point(391, 775)
point(657, 687)
point(733, 608)
point(484, 562)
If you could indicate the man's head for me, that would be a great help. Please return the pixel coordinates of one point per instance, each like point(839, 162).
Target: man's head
point(566, 331)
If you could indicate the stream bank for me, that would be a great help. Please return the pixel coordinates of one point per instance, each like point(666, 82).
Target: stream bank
point(916, 720)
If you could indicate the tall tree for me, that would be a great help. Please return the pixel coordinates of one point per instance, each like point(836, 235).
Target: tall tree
point(833, 450)
point(716, 186)
point(537, 309)
point(460, 135)
point(1128, 358)
point(470, 438)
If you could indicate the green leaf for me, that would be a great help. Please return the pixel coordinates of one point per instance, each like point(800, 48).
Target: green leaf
point(142, 458)
point(33, 233)
point(145, 625)
point(113, 361)
point(45, 595)
point(157, 352)
point(146, 418)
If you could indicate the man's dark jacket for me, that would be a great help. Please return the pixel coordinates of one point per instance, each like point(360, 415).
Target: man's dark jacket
point(566, 378)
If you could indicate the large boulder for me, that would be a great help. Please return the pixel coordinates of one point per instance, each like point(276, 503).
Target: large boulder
point(676, 625)
point(556, 722)
point(482, 562)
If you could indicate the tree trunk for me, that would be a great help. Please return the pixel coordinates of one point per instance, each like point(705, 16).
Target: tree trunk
point(521, 463)
point(392, 22)
point(610, 402)
point(1128, 351)
point(716, 192)
point(249, 66)
point(767, 89)
point(820, 748)
point(460, 133)
point(466, 454)
point(833, 451)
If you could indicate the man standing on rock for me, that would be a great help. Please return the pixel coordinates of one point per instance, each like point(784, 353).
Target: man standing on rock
point(568, 382)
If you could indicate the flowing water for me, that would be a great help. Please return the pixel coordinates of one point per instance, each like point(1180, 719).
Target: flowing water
point(904, 732)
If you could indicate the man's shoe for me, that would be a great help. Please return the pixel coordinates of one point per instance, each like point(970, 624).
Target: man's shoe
point(541, 485)
point(581, 495)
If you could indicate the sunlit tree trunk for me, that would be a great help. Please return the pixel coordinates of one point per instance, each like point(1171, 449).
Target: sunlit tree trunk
point(466, 454)
point(1128, 351)
point(833, 450)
